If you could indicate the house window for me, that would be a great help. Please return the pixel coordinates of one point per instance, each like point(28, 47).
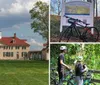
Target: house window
point(23, 47)
point(11, 54)
point(9, 47)
point(4, 47)
point(24, 54)
point(7, 54)
point(12, 47)
point(17, 47)
point(4, 54)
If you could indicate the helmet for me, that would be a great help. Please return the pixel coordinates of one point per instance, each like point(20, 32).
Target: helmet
point(79, 58)
point(63, 48)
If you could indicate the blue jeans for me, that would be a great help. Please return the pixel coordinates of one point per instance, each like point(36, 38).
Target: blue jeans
point(79, 80)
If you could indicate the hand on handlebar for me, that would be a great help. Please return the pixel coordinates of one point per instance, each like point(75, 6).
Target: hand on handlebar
point(71, 70)
point(86, 68)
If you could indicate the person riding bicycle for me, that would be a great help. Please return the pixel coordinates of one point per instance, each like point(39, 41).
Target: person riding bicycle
point(61, 64)
point(79, 70)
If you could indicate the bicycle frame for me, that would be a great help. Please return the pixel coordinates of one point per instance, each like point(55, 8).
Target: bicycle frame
point(86, 34)
point(73, 26)
point(86, 81)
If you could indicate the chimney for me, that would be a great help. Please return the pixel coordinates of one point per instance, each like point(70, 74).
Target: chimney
point(0, 34)
point(14, 35)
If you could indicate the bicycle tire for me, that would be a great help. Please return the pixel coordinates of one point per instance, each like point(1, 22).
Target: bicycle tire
point(65, 35)
point(53, 79)
point(71, 82)
point(53, 82)
point(91, 37)
point(91, 83)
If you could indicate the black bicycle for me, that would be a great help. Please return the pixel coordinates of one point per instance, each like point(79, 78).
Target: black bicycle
point(87, 79)
point(87, 34)
point(54, 77)
point(68, 80)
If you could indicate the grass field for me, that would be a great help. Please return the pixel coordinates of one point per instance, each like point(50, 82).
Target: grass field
point(23, 73)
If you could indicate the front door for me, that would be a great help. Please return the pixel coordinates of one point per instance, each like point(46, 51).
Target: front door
point(17, 55)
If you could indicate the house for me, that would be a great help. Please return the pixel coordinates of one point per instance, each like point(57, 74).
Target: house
point(45, 51)
point(13, 48)
point(35, 55)
point(40, 54)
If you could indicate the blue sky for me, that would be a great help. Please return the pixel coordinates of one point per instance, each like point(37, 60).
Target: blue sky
point(15, 18)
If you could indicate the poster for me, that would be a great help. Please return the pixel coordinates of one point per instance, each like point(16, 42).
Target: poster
point(81, 10)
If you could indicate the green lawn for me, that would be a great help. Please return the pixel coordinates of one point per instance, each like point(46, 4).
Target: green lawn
point(23, 73)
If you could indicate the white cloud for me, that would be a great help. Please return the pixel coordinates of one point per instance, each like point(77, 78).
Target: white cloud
point(14, 27)
point(34, 42)
point(18, 7)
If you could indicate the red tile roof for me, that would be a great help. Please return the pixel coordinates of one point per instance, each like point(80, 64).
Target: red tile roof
point(13, 41)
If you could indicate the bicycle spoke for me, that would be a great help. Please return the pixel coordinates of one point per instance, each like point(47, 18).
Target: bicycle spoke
point(91, 36)
point(65, 35)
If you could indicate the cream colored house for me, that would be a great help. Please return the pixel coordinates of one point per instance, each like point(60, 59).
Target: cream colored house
point(45, 54)
point(13, 48)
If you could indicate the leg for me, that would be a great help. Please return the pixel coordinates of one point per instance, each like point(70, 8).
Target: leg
point(60, 78)
point(79, 81)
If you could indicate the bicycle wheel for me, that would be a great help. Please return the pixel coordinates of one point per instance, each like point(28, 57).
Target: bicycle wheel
point(71, 82)
point(91, 36)
point(92, 83)
point(53, 81)
point(65, 35)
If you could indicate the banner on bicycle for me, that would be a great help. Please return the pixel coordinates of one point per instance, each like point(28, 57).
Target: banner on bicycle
point(81, 10)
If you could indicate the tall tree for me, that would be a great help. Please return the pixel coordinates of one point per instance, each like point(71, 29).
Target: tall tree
point(40, 16)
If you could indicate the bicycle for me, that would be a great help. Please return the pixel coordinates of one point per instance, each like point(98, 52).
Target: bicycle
point(53, 77)
point(89, 34)
point(87, 80)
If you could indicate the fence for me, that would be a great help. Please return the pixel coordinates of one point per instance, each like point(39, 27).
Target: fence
point(96, 80)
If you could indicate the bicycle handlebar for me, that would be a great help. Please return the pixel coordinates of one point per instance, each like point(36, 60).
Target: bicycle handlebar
point(77, 20)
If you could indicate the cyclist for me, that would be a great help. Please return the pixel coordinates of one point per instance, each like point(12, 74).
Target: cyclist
point(61, 64)
point(79, 70)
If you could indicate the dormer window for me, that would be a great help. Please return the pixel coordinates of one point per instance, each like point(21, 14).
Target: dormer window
point(13, 41)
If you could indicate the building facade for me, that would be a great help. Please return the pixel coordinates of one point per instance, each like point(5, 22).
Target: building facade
point(35, 55)
point(13, 48)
